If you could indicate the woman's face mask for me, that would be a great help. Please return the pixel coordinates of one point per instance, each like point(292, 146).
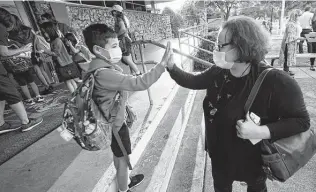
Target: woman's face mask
point(219, 59)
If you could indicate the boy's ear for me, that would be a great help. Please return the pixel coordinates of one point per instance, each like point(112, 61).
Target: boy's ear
point(96, 49)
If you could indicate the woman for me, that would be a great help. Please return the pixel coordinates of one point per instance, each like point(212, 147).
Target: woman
point(24, 35)
point(121, 28)
point(66, 69)
point(242, 46)
point(292, 33)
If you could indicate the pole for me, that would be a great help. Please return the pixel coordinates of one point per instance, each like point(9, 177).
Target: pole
point(271, 21)
point(141, 49)
point(282, 17)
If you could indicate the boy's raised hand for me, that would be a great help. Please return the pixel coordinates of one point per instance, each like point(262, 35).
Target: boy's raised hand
point(166, 55)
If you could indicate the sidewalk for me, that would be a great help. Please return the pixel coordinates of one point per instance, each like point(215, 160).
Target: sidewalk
point(51, 164)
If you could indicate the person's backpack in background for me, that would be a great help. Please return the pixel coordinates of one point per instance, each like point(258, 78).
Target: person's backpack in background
point(17, 64)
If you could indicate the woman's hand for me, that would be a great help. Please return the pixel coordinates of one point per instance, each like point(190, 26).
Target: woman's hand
point(170, 63)
point(166, 55)
point(247, 129)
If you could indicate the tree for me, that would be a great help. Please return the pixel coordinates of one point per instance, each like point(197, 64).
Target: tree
point(191, 12)
point(176, 20)
point(225, 6)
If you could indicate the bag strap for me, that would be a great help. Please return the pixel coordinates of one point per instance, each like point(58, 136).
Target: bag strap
point(255, 90)
point(119, 142)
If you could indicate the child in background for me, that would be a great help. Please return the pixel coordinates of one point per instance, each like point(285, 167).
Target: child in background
point(20, 68)
point(102, 41)
point(80, 54)
point(66, 69)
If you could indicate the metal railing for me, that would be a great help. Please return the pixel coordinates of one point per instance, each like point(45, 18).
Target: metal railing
point(195, 33)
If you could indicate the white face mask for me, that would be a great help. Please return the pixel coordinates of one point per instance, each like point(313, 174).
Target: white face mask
point(113, 55)
point(220, 61)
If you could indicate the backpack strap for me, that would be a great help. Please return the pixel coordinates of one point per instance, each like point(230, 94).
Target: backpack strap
point(255, 90)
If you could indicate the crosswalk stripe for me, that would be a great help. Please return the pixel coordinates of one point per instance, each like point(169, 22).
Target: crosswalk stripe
point(198, 175)
point(107, 181)
point(162, 173)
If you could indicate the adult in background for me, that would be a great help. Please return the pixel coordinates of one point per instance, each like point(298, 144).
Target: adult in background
point(239, 55)
point(121, 29)
point(305, 21)
point(8, 91)
point(287, 56)
point(312, 60)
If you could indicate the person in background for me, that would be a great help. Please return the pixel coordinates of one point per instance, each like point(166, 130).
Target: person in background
point(8, 91)
point(22, 35)
point(305, 21)
point(287, 56)
point(66, 69)
point(239, 60)
point(121, 28)
point(312, 60)
point(63, 28)
point(80, 54)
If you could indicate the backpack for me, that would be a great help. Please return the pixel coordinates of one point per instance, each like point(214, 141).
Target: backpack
point(84, 120)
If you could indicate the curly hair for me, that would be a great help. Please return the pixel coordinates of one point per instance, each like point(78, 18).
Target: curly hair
point(251, 41)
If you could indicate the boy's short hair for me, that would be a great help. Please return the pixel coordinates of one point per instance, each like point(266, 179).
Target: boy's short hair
point(98, 34)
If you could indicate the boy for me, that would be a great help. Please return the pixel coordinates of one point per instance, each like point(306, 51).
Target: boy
point(102, 41)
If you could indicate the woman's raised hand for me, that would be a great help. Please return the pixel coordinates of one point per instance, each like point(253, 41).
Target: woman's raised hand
point(167, 54)
point(170, 62)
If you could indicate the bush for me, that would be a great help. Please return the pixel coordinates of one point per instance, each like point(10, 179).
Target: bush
point(205, 56)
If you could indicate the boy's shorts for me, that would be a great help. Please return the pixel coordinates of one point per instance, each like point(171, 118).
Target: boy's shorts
point(124, 135)
point(8, 91)
point(24, 78)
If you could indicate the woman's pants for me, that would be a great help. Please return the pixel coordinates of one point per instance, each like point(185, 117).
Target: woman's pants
point(313, 51)
point(285, 66)
point(223, 184)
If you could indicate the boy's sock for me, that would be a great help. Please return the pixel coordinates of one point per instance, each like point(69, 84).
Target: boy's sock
point(123, 191)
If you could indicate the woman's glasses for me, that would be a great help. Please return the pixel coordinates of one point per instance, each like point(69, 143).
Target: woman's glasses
point(219, 47)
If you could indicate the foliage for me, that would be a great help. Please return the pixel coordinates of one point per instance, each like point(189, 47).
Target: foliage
point(176, 20)
point(205, 56)
point(191, 12)
point(224, 6)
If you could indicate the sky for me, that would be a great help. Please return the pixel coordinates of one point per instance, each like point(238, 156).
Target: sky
point(174, 5)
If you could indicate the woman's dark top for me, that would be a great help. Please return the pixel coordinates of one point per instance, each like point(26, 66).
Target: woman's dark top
point(279, 104)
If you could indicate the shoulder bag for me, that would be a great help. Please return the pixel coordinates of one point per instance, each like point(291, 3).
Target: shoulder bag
point(282, 158)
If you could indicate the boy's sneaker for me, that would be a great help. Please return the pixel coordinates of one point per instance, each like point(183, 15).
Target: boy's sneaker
point(39, 99)
point(136, 180)
point(6, 127)
point(32, 123)
point(29, 102)
point(312, 68)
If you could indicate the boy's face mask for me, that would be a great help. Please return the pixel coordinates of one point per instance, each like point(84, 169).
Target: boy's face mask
point(112, 55)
